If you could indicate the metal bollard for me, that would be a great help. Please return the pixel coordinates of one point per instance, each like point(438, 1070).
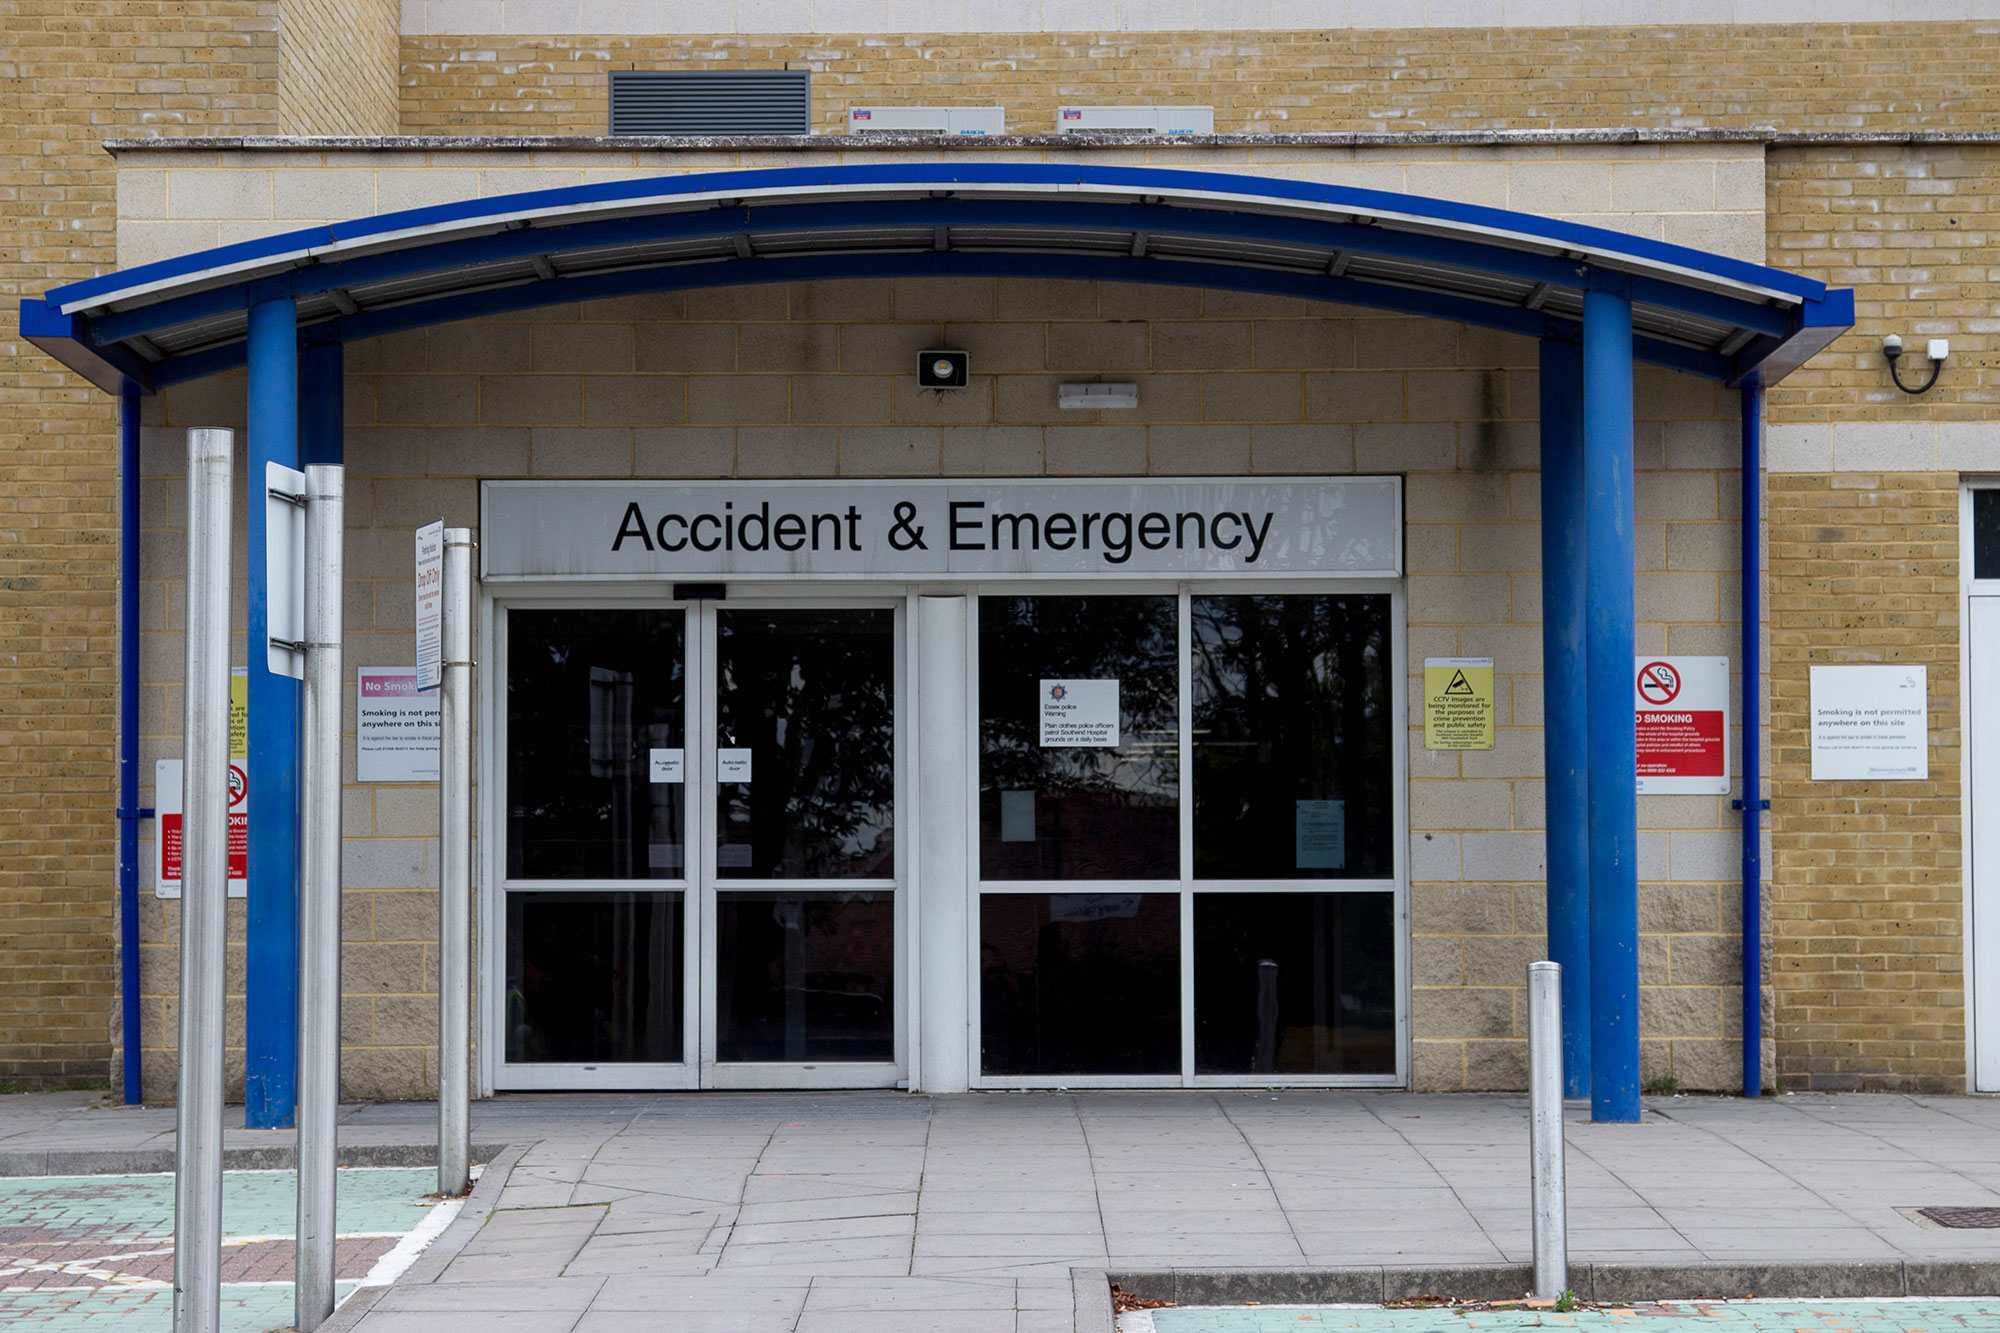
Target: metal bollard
point(319, 903)
point(204, 887)
point(455, 877)
point(1545, 1128)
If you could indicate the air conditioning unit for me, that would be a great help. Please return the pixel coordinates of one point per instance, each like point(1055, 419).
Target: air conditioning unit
point(1135, 120)
point(927, 120)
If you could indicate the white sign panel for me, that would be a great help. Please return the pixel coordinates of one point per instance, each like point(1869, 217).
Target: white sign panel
point(168, 832)
point(395, 727)
point(1681, 711)
point(848, 529)
point(430, 605)
point(285, 570)
point(1870, 723)
point(1079, 713)
point(665, 765)
point(732, 765)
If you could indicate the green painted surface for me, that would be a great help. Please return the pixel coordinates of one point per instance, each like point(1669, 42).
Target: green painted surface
point(113, 1237)
point(1691, 1317)
point(245, 1309)
point(254, 1203)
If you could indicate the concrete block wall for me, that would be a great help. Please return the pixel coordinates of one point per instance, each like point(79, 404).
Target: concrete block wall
point(462, 63)
point(818, 380)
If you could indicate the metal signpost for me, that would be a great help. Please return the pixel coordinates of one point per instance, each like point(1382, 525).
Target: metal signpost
point(455, 858)
point(319, 906)
point(204, 886)
point(1545, 1128)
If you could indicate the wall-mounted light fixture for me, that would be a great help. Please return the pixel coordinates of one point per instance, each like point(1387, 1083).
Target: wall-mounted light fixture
point(1097, 397)
point(1939, 349)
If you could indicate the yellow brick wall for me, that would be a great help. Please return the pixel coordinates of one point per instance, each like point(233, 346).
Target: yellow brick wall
point(1915, 231)
point(338, 62)
point(1799, 77)
point(1866, 897)
point(1868, 894)
point(69, 76)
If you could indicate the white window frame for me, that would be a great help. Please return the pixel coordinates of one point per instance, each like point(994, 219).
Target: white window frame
point(1970, 586)
point(1187, 886)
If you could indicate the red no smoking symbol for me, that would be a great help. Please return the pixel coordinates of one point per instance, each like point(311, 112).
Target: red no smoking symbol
point(1658, 683)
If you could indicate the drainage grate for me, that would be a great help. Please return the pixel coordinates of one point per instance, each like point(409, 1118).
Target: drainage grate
point(1963, 1217)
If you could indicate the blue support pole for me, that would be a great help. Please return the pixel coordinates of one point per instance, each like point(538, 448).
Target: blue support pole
point(271, 1024)
point(1753, 747)
point(1565, 568)
point(322, 403)
point(128, 733)
point(1613, 760)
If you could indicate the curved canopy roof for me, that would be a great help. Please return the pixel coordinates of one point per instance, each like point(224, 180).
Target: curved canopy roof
point(182, 318)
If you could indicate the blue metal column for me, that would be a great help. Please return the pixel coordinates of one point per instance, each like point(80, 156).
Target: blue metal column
point(1613, 775)
point(271, 1022)
point(128, 732)
point(322, 402)
point(1753, 747)
point(1565, 568)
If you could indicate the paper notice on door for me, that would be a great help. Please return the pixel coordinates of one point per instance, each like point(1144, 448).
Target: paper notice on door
point(1079, 713)
point(1017, 816)
point(665, 765)
point(1319, 835)
point(732, 765)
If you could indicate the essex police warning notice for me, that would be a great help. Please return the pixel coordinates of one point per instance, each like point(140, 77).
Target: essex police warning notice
point(836, 529)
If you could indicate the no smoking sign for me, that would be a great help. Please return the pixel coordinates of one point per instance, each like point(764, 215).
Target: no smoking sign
point(1681, 715)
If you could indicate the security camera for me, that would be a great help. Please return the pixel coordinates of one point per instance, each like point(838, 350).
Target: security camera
point(1937, 350)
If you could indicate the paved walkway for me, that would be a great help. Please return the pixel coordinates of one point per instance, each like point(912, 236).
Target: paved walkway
point(814, 1213)
point(1681, 1317)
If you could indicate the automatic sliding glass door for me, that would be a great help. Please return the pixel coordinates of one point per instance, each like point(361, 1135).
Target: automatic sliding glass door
point(702, 861)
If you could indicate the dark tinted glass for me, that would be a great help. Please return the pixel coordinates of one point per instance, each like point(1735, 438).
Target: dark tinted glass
point(1986, 534)
point(593, 978)
point(1294, 983)
point(590, 695)
point(805, 976)
point(811, 696)
point(1078, 812)
point(1080, 983)
point(1293, 770)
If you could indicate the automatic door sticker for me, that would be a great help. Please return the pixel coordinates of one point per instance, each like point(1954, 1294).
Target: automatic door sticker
point(1458, 703)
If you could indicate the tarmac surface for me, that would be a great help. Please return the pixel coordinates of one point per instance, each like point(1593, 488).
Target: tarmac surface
point(839, 1213)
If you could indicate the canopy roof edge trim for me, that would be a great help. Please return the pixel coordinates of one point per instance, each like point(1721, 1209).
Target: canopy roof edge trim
point(161, 323)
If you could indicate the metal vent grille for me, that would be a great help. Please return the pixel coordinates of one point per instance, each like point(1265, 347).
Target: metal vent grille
point(1977, 1218)
point(711, 101)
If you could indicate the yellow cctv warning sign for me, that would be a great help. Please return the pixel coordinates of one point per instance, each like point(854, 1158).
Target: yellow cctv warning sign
point(1458, 703)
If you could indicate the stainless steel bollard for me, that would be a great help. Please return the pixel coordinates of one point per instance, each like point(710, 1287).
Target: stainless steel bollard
point(204, 887)
point(455, 871)
point(1545, 1128)
point(319, 900)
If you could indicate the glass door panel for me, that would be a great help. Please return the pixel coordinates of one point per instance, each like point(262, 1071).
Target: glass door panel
point(596, 910)
point(596, 704)
point(1099, 800)
point(803, 890)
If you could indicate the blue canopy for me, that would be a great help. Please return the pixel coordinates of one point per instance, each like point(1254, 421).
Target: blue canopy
point(179, 319)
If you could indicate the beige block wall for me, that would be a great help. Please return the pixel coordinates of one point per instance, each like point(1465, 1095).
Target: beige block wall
point(172, 201)
point(816, 380)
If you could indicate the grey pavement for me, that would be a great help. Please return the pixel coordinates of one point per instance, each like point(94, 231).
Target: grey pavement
point(882, 1211)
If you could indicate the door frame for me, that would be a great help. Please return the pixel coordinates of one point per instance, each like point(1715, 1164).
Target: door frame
point(1971, 588)
point(1187, 886)
point(698, 885)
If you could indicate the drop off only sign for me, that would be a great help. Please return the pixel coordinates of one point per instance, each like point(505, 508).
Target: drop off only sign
point(1682, 712)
